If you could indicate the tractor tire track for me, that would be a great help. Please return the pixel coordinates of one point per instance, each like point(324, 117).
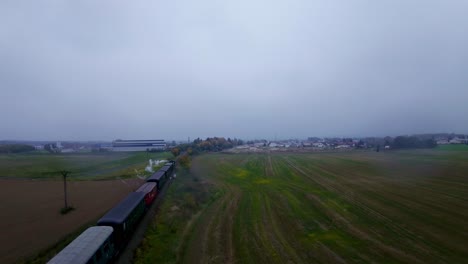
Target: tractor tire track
point(349, 196)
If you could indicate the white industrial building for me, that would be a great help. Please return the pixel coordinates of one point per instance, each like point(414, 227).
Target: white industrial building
point(139, 145)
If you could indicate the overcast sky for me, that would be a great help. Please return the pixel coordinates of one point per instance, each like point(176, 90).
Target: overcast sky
point(102, 70)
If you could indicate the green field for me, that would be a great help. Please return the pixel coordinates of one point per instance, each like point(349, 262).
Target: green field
point(453, 147)
point(103, 165)
point(390, 207)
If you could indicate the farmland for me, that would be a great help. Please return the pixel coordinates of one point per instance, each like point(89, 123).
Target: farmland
point(31, 222)
point(84, 166)
point(349, 207)
point(31, 191)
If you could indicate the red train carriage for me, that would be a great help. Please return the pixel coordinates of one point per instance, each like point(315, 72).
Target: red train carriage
point(150, 190)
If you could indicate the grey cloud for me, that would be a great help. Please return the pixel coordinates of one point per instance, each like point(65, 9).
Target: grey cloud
point(172, 69)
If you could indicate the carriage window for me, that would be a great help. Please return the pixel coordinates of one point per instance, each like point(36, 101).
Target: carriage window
point(98, 255)
point(106, 248)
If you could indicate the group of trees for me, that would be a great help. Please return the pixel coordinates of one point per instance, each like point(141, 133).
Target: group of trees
point(213, 144)
point(399, 142)
point(413, 142)
point(16, 148)
point(198, 146)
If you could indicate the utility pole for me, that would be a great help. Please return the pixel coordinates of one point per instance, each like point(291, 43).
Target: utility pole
point(64, 174)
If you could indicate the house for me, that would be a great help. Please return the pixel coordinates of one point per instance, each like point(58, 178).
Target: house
point(456, 141)
point(318, 145)
point(343, 146)
point(68, 150)
point(259, 144)
point(293, 145)
point(442, 142)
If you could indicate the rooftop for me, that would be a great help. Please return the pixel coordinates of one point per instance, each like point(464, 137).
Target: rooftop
point(120, 212)
point(147, 187)
point(156, 176)
point(80, 250)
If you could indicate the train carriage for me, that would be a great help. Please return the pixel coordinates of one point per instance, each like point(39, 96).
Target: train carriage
point(167, 168)
point(101, 243)
point(150, 189)
point(159, 178)
point(124, 217)
point(94, 246)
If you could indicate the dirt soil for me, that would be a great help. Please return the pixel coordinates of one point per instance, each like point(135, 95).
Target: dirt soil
point(30, 210)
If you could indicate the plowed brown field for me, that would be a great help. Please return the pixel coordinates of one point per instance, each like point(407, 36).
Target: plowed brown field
point(30, 211)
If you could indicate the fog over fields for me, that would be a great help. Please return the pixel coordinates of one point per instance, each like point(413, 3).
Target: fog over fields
point(101, 70)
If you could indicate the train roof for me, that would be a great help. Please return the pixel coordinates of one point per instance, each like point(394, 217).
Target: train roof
point(147, 187)
point(166, 167)
point(122, 210)
point(80, 250)
point(156, 176)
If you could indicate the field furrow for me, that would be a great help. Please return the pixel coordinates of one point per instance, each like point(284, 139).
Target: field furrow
point(356, 207)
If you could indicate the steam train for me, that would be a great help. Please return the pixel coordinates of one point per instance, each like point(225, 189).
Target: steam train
point(102, 243)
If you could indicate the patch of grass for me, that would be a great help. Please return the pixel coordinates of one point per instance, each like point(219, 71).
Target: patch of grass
point(404, 206)
point(184, 200)
point(453, 147)
point(83, 166)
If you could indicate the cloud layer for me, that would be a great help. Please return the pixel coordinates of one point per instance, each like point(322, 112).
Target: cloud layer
point(88, 70)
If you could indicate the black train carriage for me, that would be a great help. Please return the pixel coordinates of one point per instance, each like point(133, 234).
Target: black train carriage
point(159, 177)
point(168, 168)
point(124, 218)
point(171, 162)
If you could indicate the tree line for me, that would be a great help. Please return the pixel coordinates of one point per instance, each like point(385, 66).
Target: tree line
point(16, 148)
point(401, 142)
point(213, 144)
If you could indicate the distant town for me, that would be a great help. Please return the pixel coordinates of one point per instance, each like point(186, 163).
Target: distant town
point(316, 143)
point(237, 145)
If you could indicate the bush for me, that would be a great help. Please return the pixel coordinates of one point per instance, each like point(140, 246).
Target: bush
point(185, 161)
point(413, 142)
point(175, 151)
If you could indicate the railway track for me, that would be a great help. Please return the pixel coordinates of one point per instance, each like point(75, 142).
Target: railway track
point(126, 256)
